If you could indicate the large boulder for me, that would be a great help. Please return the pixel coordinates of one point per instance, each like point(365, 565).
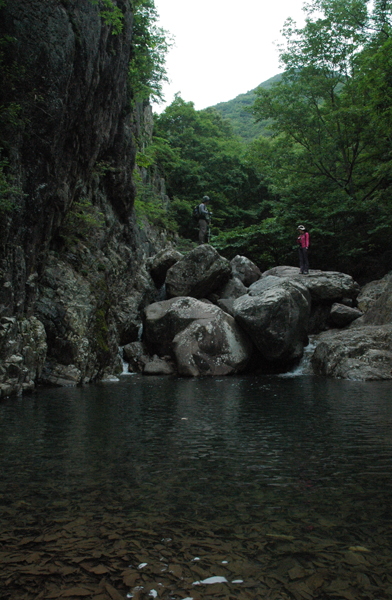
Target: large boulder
point(199, 273)
point(324, 286)
point(380, 311)
point(161, 263)
point(234, 288)
point(372, 291)
point(275, 315)
point(342, 315)
point(245, 270)
point(204, 339)
point(163, 320)
point(363, 353)
point(212, 347)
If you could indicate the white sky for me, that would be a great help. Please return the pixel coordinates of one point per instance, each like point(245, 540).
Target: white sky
point(222, 48)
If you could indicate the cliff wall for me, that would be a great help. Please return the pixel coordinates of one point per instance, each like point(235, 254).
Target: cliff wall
point(72, 280)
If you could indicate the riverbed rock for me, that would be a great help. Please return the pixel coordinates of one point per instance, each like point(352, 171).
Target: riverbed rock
point(245, 270)
point(363, 353)
point(324, 286)
point(342, 315)
point(161, 263)
point(215, 346)
point(275, 315)
point(198, 274)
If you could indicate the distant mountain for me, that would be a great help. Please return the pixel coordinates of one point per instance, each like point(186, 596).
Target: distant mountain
point(241, 120)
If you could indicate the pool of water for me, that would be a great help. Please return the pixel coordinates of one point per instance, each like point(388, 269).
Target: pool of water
point(243, 487)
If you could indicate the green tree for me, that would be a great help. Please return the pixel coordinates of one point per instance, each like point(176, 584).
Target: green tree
point(199, 154)
point(329, 157)
point(150, 45)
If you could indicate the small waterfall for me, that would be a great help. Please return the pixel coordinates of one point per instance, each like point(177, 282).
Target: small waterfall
point(140, 333)
point(304, 367)
point(125, 365)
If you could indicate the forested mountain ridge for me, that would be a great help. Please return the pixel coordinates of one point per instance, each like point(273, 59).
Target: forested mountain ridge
point(326, 163)
point(241, 119)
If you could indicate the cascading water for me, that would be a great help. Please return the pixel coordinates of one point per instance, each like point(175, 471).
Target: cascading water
point(305, 366)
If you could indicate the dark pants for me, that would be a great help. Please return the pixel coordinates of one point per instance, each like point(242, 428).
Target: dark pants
point(303, 260)
point(203, 228)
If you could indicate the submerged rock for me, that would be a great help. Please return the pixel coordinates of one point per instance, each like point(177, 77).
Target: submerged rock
point(198, 274)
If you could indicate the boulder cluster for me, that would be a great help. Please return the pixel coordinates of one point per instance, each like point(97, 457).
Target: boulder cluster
point(221, 317)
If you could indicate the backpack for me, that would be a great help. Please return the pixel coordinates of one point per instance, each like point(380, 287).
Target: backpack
point(196, 212)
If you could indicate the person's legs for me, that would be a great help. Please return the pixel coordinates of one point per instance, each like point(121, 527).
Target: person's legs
point(306, 261)
point(202, 231)
point(301, 259)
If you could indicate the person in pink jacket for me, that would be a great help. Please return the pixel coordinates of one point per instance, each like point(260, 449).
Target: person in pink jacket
point(303, 246)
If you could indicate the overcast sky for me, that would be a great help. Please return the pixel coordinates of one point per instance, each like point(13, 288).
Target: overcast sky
point(222, 48)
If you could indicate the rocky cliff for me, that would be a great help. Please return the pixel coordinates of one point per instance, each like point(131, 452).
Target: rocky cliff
point(72, 280)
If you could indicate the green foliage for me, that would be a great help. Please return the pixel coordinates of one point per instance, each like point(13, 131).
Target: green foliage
point(110, 14)
point(150, 45)
point(199, 154)
point(328, 162)
point(149, 206)
point(82, 221)
point(238, 112)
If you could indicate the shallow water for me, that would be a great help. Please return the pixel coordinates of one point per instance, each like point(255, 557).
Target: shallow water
point(279, 487)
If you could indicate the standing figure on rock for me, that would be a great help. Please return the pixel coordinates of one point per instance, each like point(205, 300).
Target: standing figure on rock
point(204, 219)
point(303, 243)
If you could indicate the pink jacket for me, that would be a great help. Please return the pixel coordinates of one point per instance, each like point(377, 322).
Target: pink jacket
point(303, 240)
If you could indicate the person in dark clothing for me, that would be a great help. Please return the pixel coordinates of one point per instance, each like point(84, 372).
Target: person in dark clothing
point(204, 219)
point(303, 246)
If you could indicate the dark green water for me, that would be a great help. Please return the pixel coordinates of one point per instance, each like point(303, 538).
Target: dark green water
point(282, 485)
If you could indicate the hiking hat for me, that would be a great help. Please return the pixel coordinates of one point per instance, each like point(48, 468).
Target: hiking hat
point(301, 227)
point(206, 199)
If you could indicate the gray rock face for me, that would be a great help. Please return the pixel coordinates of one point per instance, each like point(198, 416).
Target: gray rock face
point(161, 263)
point(136, 355)
point(23, 350)
point(343, 315)
point(379, 312)
point(199, 273)
point(212, 347)
point(203, 339)
point(158, 366)
point(324, 286)
point(234, 288)
point(163, 320)
point(275, 315)
point(245, 270)
point(363, 353)
point(372, 291)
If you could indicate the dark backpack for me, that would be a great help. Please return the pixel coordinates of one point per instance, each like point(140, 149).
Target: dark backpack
point(196, 212)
